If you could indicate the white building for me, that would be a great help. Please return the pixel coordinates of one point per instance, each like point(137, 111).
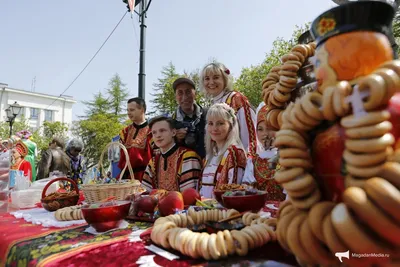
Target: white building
point(37, 107)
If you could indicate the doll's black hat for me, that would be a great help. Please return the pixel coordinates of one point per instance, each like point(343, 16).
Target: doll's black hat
point(305, 38)
point(354, 16)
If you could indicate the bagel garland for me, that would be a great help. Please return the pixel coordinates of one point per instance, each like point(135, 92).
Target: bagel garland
point(69, 213)
point(368, 219)
point(281, 81)
point(171, 232)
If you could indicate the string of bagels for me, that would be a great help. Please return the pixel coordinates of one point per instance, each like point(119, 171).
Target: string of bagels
point(368, 218)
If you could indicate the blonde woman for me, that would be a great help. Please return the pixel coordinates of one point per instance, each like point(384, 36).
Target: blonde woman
point(217, 83)
point(226, 158)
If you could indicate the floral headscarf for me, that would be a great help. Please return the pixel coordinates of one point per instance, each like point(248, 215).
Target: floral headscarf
point(24, 134)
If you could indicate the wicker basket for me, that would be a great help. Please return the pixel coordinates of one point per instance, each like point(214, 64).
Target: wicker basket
point(97, 192)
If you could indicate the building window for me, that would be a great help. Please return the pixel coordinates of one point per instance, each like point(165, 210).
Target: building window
point(48, 115)
point(34, 113)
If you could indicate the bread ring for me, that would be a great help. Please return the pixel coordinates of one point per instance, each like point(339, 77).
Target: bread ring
point(303, 116)
point(230, 246)
point(311, 104)
point(376, 86)
point(241, 245)
point(320, 254)
point(275, 102)
point(212, 247)
point(300, 56)
point(220, 243)
point(289, 132)
point(293, 234)
point(291, 66)
point(199, 243)
point(184, 220)
point(282, 206)
point(275, 69)
point(271, 232)
point(332, 240)
point(392, 81)
point(301, 49)
point(307, 202)
point(273, 76)
point(250, 241)
point(372, 118)
point(286, 175)
point(376, 130)
point(254, 237)
point(301, 193)
point(283, 226)
point(164, 241)
point(290, 141)
point(293, 153)
point(302, 163)
point(161, 229)
point(385, 195)
point(289, 81)
point(262, 234)
point(192, 213)
point(192, 245)
point(281, 97)
point(289, 56)
point(204, 214)
point(363, 172)
point(365, 159)
point(350, 181)
point(280, 119)
point(231, 212)
point(356, 199)
point(189, 220)
point(225, 214)
point(370, 145)
point(315, 218)
point(391, 172)
point(204, 247)
point(283, 89)
point(327, 104)
point(287, 73)
point(299, 125)
point(352, 233)
point(299, 183)
point(286, 114)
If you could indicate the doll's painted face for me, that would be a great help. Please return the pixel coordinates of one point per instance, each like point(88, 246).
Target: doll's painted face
point(265, 135)
point(325, 75)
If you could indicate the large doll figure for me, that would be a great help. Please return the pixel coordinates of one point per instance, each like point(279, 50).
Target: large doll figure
point(25, 136)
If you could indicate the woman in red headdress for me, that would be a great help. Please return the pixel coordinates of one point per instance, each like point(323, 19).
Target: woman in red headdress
point(19, 151)
point(261, 166)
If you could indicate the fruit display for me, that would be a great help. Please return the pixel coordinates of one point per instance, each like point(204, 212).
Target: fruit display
point(339, 145)
point(171, 232)
point(190, 196)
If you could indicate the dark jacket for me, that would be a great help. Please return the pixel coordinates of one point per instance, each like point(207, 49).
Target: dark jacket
point(196, 128)
point(53, 159)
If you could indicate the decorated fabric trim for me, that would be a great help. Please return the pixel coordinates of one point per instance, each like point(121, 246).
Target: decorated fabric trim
point(24, 134)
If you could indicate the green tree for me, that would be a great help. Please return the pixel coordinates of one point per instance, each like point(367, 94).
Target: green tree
point(99, 105)
point(250, 80)
point(164, 96)
point(118, 94)
point(20, 124)
point(47, 132)
point(396, 30)
point(96, 132)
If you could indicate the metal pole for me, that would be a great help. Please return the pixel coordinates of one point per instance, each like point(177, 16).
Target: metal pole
point(11, 124)
point(142, 74)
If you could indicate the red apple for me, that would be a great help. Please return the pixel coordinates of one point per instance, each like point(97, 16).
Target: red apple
point(146, 204)
point(159, 193)
point(170, 203)
point(190, 195)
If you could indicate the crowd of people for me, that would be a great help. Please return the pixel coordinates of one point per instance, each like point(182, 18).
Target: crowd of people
point(23, 154)
point(196, 147)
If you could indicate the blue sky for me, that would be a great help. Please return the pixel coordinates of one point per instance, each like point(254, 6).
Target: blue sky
point(53, 40)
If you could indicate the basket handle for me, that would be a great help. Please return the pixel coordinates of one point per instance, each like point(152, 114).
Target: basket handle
point(127, 161)
point(59, 179)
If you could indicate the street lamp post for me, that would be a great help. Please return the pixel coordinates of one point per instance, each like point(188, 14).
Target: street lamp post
point(12, 112)
point(144, 6)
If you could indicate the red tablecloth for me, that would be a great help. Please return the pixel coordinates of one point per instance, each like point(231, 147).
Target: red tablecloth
point(25, 244)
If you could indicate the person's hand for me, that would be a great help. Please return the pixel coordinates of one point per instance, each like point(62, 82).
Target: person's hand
point(181, 133)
